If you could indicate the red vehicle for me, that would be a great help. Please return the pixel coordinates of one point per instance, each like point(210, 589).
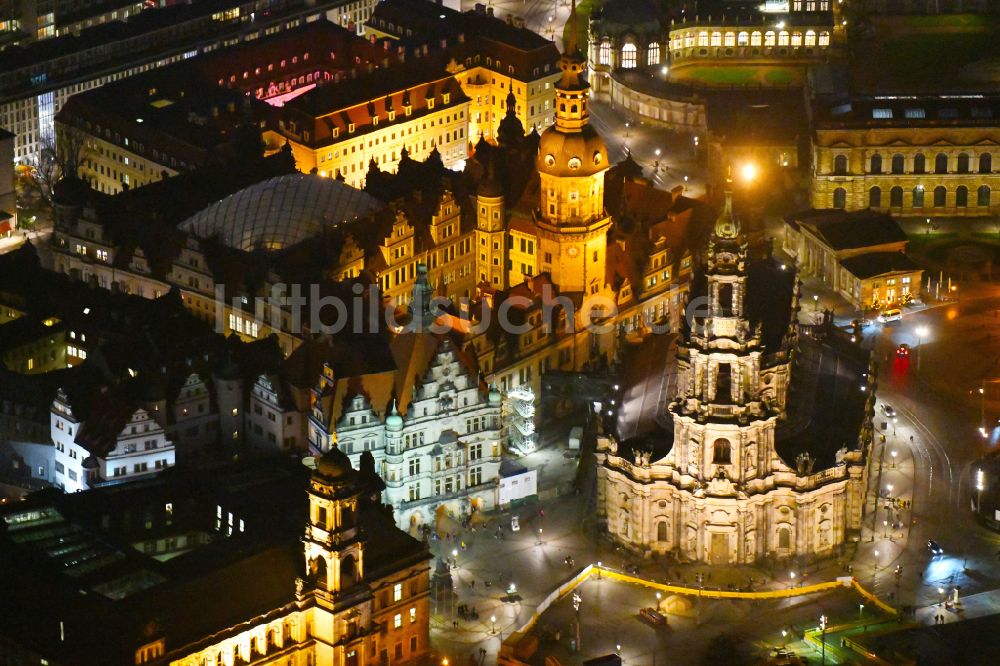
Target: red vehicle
point(903, 351)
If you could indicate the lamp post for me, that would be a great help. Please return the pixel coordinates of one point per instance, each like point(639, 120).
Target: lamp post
point(791, 576)
point(893, 454)
point(921, 333)
point(784, 637)
point(822, 625)
point(815, 303)
point(539, 536)
point(656, 163)
point(861, 611)
point(980, 484)
point(493, 624)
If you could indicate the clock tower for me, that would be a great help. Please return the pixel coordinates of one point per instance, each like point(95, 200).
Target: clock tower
point(572, 158)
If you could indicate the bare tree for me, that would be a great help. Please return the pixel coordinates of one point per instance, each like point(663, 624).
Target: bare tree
point(57, 157)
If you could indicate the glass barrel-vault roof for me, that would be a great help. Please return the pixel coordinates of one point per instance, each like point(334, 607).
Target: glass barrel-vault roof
point(280, 212)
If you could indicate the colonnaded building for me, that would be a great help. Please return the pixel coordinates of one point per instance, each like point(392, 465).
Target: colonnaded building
point(771, 428)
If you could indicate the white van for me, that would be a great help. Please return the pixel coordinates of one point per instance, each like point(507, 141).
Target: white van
point(892, 314)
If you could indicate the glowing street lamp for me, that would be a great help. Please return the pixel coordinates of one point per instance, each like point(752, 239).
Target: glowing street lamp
point(749, 172)
point(493, 623)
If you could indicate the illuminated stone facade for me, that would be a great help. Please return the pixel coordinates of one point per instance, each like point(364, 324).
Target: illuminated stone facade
point(919, 156)
point(721, 492)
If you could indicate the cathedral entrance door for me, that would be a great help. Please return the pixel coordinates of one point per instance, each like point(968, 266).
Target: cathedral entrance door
point(720, 548)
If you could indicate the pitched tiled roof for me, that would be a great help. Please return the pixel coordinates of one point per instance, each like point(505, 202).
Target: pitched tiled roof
point(847, 230)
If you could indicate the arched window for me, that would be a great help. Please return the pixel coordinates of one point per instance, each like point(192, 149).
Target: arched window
point(898, 163)
point(840, 165)
point(604, 53)
point(743, 38)
point(840, 198)
point(628, 56)
point(769, 38)
point(784, 537)
point(783, 38)
point(983, 196)
point(940, 196)
point(896, 197)
point(721, 452)
point(729, 39)
point(653, 54)
point(810, 38)
point(661, 530)
point(689, 39)
point(918, 196)
point(876, 163)
point(875, 197)
point(824, 39)
point(716, 38)
point(755, 38)
point(963, 163)
point(961, 196)
point(986, 163)
point(796, 39)
point(703, 38)
point(919, 163)
point(941, 163)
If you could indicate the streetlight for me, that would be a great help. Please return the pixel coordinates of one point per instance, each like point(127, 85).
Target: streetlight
point(893, 454)
point(626, 129)
point(921, 333)
point(784, 636)
point(861, 611)
point(539, 536)
point(980, 485)
point(493, 624)
point(815, 302)
point(822, 624)
point(656, 163)
point(749, 172)
point(791, 576)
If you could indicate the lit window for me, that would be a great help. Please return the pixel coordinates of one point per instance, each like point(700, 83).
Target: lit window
point(397, 591)
point(413, 615)
point(628, 56)
point(397, 621)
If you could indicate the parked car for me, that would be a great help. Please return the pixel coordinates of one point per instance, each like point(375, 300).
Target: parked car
point(934, 548)
point(653, 616)
point(515, 524)
point(888, 410)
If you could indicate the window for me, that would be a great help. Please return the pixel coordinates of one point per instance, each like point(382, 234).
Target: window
point(755, 38)
point(783, 38)
point(716, 38)
point(918, 196)
point(729, 39)
point(413, 615)
point(784, 537)
point(961, 196)
point(661, 530)
point(604, 53)
point(653, 54)
point(986, 163)
point(876, 163)
point(875, 198)
point(743, 39)
point(919, 163)
point(896, 197)
point(915, 114)
point(397, 620)
point(721, 452)
point(941, 163)
point(628, 56)
point(840, 165)
point(898, 163)
point(940, 196)
point(963, 163)
point(882, 113)
point(769, 38)
point(983, 196)
point(397, 591)
point(840, 198)
point(810, 38)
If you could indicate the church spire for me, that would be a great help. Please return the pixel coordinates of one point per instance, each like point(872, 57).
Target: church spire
point(727, 227)
point(570, 45)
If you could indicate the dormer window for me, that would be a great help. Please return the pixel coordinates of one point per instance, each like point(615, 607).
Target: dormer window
point(447, 97)
point(392, 116)
point(408, 109)
point(374, 120)
point(430, 103)
point(350, 127)
point(574, 163)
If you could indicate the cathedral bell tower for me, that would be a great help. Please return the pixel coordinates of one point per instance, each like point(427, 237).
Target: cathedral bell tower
point(572, 158)
point(334, 545)
point(723, 430)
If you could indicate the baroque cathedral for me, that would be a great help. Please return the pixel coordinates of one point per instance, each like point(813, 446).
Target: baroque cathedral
point(754, 466)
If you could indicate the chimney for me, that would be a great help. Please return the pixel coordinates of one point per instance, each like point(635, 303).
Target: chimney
point(489, 11)
point(480, 8)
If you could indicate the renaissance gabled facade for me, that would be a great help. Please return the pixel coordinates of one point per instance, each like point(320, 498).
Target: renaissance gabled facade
point(740, 480)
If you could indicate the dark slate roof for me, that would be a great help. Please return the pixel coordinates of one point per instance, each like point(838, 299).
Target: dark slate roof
point(878, 263)
point(843, 230)
point(826, 405)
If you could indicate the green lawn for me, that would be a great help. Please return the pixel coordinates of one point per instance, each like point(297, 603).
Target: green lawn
point(722, 75)
point(779, 77)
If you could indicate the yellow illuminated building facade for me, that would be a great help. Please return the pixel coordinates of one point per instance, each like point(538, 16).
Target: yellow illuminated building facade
point(914, 156)
point(354, 607)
